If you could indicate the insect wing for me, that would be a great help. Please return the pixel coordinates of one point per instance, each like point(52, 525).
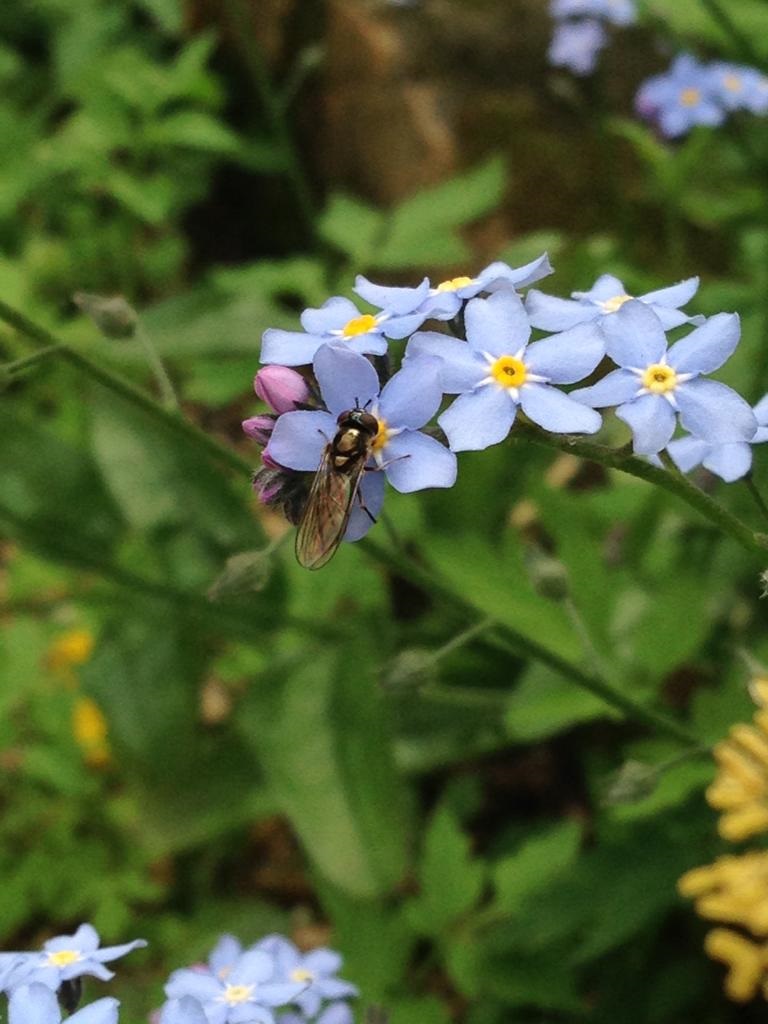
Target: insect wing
point(326, 514)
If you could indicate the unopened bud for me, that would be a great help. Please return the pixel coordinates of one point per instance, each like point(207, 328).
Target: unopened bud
point(634, 781)
point(413, 667)
point(547, 574)
point(114, 316)
point(259, 428)
point(243, 573)
point(281, 388)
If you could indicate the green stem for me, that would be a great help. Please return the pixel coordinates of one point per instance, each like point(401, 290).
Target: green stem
point(675, 483)
point(756, 495)
point(170, 418)
point(156, 365)
point(509, 639)
point(31, 360)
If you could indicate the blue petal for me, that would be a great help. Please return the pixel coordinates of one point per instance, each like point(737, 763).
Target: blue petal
point(674, 317)
point(761, 436)
point(761, 411)
point(332, 316)
point(498, 324)
point(403, 326)
point(299, 439)
point(364, 344)
point(185, 982)
point(253, 967)
point(550, 313)
point(249, 1013)
point(416, 461)
point(553, 410)
point(412, 397)
point(674, 295)
point(336, 1013)
point(634, 335)
point(708, 347)
point(279, 994)
point(90, 966)
point(113, 952)
point(183, 1011)
point(652, 422)
point(442, 306)
point(224, 953)
point(347, 380)
point(393, 300)
point(605, 287)
point(283, 952)
point(714, 412)
point(729, 461)
point(289, 348)
point(33, 1004)
point(461, 368)
point(615, 388)
point(335, 988)
point(688, 452)
point(103, 1011)
point(372, 496)
point(478, 419)
point(323, 961)
point(309, 1002)
point(86, 939)
point(567, 357)
point(499, 273)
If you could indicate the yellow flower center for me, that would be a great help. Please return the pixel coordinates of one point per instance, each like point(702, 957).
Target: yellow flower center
point(732, 82)
point(70, 649)
point(234, 994)
point(509, 372)
point(453, 284)
point(359, 325)
point(659, 379)
point(301, 974)
point(63, 958)
point(614, 305)
point(690, 97)
point(380, 441)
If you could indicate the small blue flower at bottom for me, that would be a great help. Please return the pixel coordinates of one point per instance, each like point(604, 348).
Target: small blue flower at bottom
point(37, 1004)
point(738, 87)
point(334, 1013)
point(729, 461)
point(65, 957)
point(496, 370)
point(248, 993)
point(317, 969)
point(654, 385)
point(183, 1011)
point(410, 460)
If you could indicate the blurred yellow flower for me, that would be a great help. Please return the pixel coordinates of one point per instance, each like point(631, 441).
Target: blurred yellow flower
point(733, 889)
point(69, 650)
point(746, 961)
point(89, 727)
point(740, 789)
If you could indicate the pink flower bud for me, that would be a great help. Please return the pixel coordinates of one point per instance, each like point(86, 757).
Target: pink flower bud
point(281, 388)
point(259, 428)
point(269, 462)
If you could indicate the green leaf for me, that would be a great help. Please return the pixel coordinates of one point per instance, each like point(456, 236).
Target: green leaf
point(323, 738)
point(543, 704)
point(451, 880)
point(194, 129)
point(535, 863)
point(352, 226)
point(169, 14)
point(421, 230)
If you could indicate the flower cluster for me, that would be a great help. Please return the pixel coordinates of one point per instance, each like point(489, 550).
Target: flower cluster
point(580, 34)
point(235, 986)
point(693, 93)
point(734, 890)
point(507, 355)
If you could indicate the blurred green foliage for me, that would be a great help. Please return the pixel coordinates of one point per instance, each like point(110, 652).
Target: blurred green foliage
point(336, 747)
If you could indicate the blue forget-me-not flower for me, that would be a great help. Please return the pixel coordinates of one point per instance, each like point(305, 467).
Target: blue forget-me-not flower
point(739, 87)
point(247, 993)
point(37, 1004)
point(576, 45)
point(617, 12)
point(317, 969)
point(185, 1010)
point(340, 322)
point(680, 98)
point(731, 460)
point(654, 384)
point(410, 459)
point(66, 957)
point(496, 371)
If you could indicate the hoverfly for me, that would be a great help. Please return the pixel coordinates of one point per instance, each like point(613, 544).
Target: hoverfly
point(335, 488)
